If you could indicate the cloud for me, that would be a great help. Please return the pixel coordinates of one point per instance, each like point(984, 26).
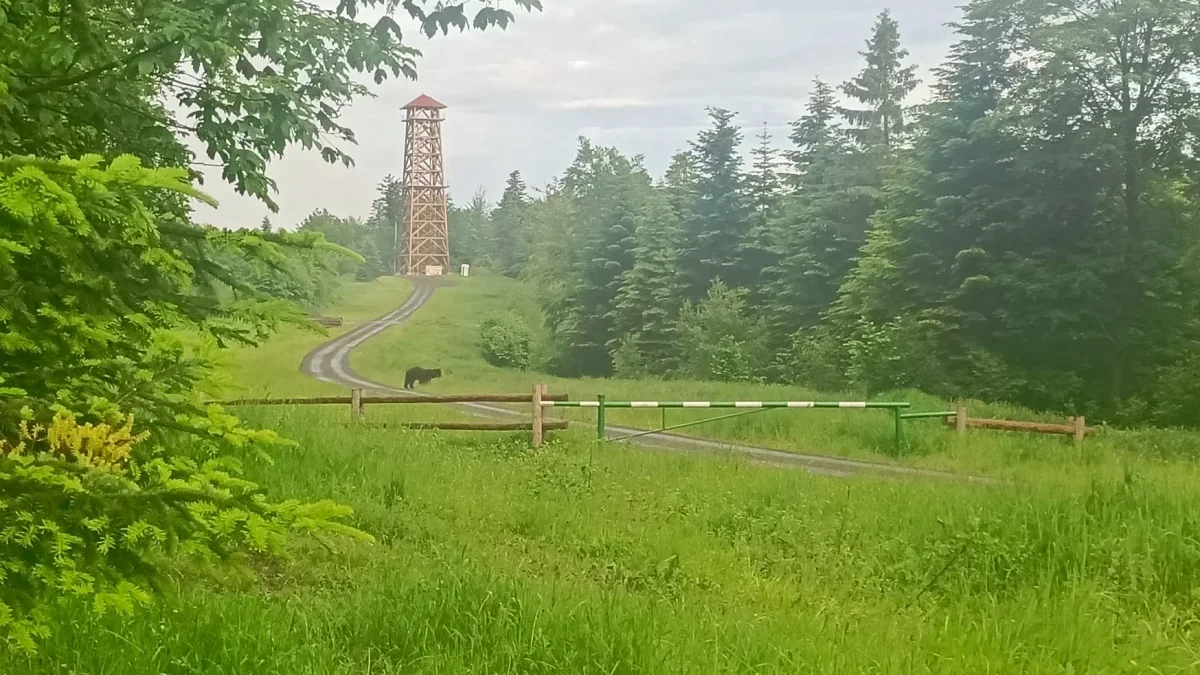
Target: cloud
point(601, 104)
point(634, 73)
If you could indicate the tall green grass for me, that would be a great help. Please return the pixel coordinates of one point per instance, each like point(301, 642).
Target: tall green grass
point(491, 557)
point(494, 558)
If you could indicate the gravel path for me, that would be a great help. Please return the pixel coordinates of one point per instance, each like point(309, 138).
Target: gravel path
point(331, 363)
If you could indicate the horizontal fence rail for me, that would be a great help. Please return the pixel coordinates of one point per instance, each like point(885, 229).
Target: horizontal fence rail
point(485, 426)
point(926, 415)
point(727, 404)
point(358, 401)
point(1075, 427)
point(346, 400)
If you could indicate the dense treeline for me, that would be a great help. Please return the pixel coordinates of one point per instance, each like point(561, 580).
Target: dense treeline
point(1029, 234)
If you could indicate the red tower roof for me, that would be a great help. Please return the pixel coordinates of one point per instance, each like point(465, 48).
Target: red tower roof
point(423, 101)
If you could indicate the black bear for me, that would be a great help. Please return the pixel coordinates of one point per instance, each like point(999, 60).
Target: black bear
point(420, 376)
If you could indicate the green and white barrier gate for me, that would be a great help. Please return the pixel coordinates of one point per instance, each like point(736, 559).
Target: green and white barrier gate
point(746, 407)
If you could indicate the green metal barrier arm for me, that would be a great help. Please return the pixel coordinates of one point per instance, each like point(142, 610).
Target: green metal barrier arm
point(926, 415)
point(688, 424)
point(701, 405)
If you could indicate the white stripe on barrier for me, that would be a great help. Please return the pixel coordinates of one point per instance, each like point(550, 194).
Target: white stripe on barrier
point(708, 404)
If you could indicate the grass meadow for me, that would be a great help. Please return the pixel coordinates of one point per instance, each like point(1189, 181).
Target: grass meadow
point(491, 557)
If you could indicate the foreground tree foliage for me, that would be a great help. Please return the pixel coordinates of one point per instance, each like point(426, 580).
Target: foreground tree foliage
point(112, 318)
point(114, 301)
point(254, 77)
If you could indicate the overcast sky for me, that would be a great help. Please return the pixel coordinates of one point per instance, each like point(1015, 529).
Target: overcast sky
point(636, 74)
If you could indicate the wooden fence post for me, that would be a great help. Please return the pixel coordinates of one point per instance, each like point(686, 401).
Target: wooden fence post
point(356, 405)
point(960, 420)
point(1080, 428)
point(539, 414)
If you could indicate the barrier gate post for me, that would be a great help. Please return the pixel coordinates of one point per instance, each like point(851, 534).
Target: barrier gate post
point(600, 417)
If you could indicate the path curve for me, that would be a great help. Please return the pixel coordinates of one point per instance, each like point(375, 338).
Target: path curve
point(331, 363)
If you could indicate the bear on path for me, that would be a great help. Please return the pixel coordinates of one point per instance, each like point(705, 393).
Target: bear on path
point(420, 376)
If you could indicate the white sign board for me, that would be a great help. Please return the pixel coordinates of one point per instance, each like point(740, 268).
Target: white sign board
point(433, 270)
point(465, 270)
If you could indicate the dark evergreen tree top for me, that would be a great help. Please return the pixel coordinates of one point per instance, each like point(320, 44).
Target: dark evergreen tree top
point(716, 228)
point(881, 88)
point(763, 184)
point(515, 192)
point(815, 133)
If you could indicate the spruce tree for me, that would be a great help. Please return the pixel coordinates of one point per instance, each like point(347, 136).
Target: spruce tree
point(387, 223)
point(609, 195)
point(652, 291)
point(510, 236)
point(984, 259)
point(469, 228)
point(679, 184)
point(718, 225)
point(821, 225)
point(880, 89)
point(813, 135)
point(764, 190)
point(763, 183)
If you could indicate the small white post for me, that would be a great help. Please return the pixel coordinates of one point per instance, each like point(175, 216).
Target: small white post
point(960, 420)
point(1080, 428)
point(357, 410)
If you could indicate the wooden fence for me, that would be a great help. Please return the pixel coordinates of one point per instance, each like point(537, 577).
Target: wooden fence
point(1076, 427)
point(539, 400)
point(358, 402)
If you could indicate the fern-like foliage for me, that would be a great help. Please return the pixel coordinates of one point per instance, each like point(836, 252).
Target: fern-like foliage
point(109, 311)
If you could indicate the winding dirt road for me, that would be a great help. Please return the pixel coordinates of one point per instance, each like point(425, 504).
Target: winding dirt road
point(331, 363)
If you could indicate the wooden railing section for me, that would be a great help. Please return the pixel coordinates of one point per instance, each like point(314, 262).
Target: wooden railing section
point(358, 402)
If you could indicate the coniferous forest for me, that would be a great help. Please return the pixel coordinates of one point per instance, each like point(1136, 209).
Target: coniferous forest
point(1028, 234)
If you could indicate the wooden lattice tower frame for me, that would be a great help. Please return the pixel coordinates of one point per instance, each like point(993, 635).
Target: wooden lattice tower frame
point(424, 241)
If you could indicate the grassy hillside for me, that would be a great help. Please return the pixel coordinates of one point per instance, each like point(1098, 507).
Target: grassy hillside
point(445, 334)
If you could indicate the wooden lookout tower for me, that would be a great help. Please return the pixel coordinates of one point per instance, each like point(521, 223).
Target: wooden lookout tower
point(424, 247)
